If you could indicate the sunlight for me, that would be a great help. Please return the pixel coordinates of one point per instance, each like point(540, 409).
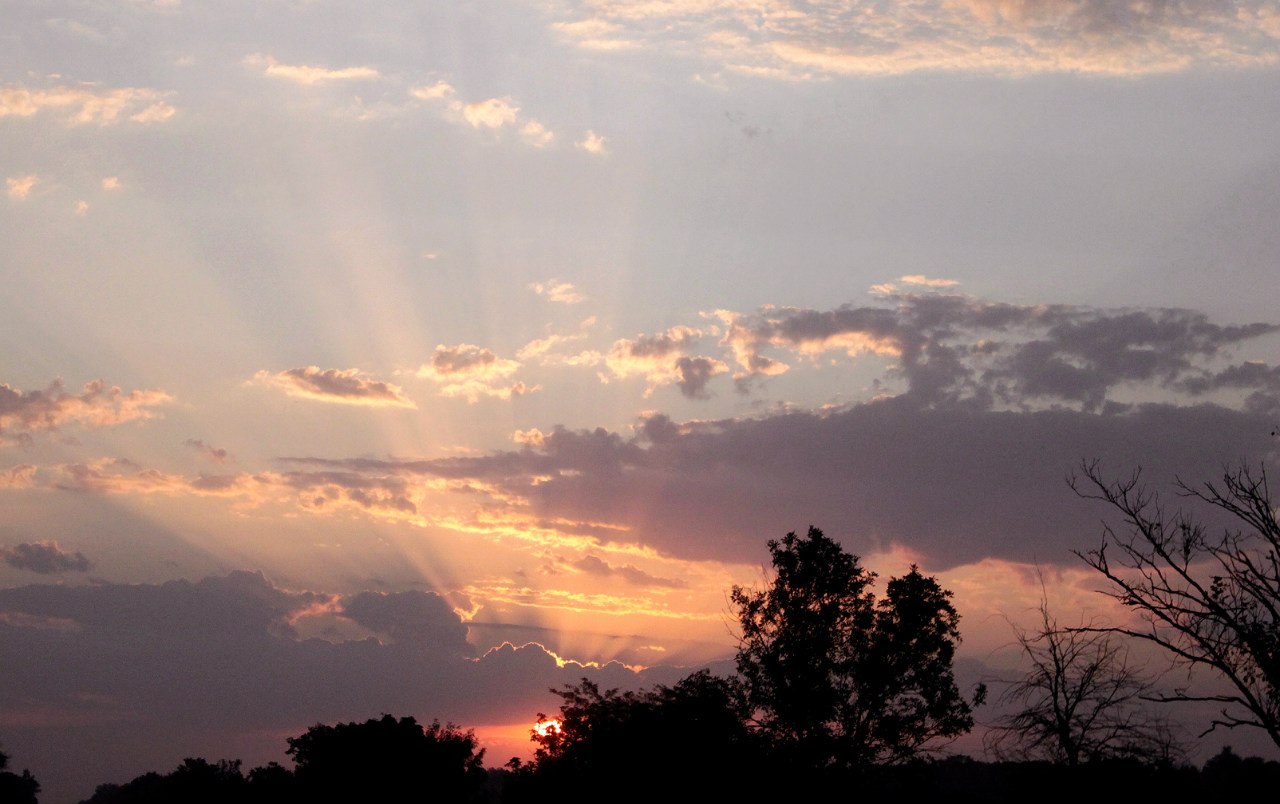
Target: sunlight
point(547, 728)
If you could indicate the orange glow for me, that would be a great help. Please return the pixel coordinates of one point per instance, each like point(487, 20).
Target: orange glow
point(546, 728)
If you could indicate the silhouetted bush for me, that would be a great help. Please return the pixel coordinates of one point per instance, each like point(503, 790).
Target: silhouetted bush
point(388, 760)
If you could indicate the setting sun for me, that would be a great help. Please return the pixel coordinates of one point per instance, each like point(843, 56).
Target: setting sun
point(545, 728)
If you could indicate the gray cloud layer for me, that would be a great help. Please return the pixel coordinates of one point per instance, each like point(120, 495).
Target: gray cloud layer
point(45, 558)
point(151, 673)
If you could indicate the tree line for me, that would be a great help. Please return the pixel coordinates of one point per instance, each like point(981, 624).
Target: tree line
point(839, 686)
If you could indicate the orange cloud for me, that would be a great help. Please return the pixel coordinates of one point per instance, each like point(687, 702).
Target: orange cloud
point(87, 104)
point(308, 74)
point(98, 405)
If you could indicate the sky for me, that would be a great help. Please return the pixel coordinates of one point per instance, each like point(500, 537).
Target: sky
point(421, 357)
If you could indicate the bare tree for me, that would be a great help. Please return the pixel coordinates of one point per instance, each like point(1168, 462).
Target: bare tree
point(1082, 699)
point(1211, 601)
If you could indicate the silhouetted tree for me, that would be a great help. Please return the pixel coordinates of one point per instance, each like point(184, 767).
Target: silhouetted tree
point(690, 738)
point(838, 677)
point(1209, 600)
point(1081, 700)
point(196, 780)
point(16, 788)
point(388, 760)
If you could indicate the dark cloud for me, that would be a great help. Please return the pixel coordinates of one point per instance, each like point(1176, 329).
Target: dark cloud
point(106, 681)
point(45, 558)
point(954, 349)
point(409, 617)
point(695, 373)
point(955, 483)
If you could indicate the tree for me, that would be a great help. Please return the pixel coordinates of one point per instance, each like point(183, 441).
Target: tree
point(1081, 699)
point(691, 736)
point(1211, 601)
point(388, 760)
point(16, 788)
point(839, 678)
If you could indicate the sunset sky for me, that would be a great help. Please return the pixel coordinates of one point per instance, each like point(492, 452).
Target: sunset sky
point(406, 358)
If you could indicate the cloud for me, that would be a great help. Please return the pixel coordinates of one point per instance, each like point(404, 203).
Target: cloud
point(87, 104)
point(440, 90)
point(592, 143)
point(45, 558)
point(346, 387)
point(410, 617)
point(471, 371)
point(213, 665)
point(794, 40)
point(111, 183)
point(212, 453)
point(921, 279)
point(494, 114)
point(18, 477)
point(557, 291)
point(20, 186)
point(491, 113)
point(326, 493)
point(981, 410)
point(661, 360)
point(953, 348)
point(308, 75)
point(98, 405)
point(594, 565)
point(536, 134)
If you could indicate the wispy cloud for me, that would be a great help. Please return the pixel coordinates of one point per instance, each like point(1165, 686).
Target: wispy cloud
point(214, 454)
point(557, 291)
point(493, 114)
point(308, 74)
point(346, 387)
point(87, 104)
point(790, 39)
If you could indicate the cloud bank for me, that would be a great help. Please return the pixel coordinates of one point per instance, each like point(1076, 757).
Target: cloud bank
point(798, 41)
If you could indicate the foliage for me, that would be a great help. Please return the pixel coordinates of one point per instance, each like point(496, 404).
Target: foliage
point(691, 736)
point(1082, 699)
point(1212, 601)
point(838, 678)
point(196, 780)
point(16, 788)
point(388, 760)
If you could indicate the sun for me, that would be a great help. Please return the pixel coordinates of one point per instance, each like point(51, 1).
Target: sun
point(547, 728)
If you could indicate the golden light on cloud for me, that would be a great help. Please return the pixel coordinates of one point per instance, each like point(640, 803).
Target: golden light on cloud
point(19, 187)
point(87, 103)
point(592, 143)
point(306, 73)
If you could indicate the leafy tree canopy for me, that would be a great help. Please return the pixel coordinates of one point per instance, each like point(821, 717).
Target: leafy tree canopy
point(839, 677)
